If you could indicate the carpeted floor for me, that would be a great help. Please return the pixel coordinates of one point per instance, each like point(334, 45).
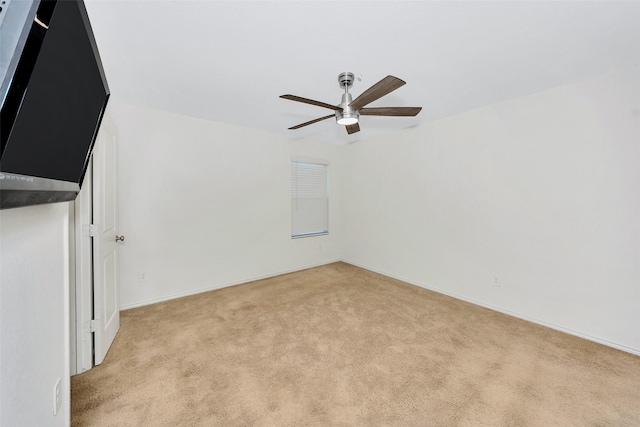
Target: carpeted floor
point(341, 346)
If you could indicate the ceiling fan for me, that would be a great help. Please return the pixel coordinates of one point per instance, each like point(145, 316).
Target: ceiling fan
point(349, 111)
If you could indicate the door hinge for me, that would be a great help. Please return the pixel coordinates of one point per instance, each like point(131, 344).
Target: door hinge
point(90, 230)
point(90, 326)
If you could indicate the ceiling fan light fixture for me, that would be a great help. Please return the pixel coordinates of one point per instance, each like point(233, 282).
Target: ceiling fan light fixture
point(347, 118)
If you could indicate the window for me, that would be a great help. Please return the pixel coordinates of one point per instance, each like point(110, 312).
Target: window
point(309, 198)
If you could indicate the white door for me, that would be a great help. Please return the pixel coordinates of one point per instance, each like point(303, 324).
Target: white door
point(105, 240)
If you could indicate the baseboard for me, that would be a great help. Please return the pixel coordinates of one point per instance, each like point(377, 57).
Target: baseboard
point(220, 286)
point(501, 310)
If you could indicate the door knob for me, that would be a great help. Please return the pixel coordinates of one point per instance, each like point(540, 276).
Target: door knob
point(119, 238)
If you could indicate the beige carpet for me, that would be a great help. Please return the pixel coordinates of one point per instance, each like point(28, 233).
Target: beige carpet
point(340, 346)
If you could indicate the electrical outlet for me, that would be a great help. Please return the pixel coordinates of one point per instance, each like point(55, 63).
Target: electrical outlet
point(57, 397)
point(142, 276)
point(496, 280)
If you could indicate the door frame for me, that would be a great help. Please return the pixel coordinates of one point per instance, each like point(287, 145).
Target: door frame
point(83, 307)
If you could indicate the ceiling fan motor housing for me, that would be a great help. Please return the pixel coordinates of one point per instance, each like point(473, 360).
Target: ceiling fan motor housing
point(348, 115)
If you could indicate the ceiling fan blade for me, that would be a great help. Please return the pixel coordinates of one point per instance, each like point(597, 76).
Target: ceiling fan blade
point(391, 111)
point(353, 128)
point(378, 90)
point(310, 101)
point(312, 122)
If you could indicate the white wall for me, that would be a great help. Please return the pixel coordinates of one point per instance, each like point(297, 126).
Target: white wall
point(205, 205)
point(34, 314)
point(543, 191)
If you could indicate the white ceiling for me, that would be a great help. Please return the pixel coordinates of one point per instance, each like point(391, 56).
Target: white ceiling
point(229, 61)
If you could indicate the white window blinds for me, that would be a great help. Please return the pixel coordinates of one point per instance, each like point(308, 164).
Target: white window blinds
point(309, 199)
